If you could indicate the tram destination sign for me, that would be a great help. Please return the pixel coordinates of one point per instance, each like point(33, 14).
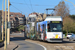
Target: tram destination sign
point(55, 22)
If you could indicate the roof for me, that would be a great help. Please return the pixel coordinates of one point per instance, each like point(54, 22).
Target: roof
point(43, 22)
point(53, 18)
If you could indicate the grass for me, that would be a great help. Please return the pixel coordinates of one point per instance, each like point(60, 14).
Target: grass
point(1, 41)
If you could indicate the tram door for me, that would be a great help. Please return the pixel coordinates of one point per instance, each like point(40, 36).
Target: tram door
point(39, 36)
point(44, 31)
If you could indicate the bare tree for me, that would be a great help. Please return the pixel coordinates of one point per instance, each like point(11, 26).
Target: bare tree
point(61, 9)
point(44, 16)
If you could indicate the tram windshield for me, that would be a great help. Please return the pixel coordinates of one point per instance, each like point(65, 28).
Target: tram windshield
point(55, 27)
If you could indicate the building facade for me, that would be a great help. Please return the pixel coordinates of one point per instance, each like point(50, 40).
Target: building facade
point(36, 17)
point(16, 19)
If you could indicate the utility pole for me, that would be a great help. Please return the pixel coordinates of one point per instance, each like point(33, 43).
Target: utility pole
point(2, 19)
point(5, 44)
point(8, 29)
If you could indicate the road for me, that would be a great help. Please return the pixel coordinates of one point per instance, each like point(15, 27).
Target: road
point(24, 45)
point(65, 45)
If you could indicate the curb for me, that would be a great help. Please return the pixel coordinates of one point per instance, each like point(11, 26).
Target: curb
point(15, 47)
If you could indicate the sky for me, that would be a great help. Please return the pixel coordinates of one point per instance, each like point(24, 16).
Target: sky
point(28, 6)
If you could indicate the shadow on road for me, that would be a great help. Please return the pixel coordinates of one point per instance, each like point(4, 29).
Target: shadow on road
point(2, 46)
point(61, 42)
point(17, 38)
point(64, 41)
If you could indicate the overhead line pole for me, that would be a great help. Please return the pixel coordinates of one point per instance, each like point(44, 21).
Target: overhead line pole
point(5, 44)
point(8, 29)
point(2, 20)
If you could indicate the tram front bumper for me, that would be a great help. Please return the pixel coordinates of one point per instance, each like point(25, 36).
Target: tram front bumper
point(55, 40)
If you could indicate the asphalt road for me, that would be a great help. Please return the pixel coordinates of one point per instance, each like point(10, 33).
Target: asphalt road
point(24, 45)
point(65, 45)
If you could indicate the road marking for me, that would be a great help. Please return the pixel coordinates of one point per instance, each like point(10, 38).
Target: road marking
point(38, 44)
point(70, 47)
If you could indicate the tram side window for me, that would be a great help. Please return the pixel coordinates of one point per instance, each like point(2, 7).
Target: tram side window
point(43, 28)
point(39, 28)
point(48, 27)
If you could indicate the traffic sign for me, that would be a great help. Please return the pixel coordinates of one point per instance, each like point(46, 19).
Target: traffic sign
point(8, 25)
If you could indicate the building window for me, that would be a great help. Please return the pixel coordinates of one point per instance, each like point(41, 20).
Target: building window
point(21, 22)
point(17, 15)
point(12, 21)
point(16, 18)
point(11, 18)
point(11, 15)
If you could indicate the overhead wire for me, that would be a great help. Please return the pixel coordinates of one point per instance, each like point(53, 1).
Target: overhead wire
point(18, 9)
point(31, 5)
point(72, 9)
point(27, 5)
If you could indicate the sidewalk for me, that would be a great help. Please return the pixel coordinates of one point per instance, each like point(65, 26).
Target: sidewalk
point(11, 46)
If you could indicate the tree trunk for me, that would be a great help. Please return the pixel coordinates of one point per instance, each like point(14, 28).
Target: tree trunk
point(66, 32)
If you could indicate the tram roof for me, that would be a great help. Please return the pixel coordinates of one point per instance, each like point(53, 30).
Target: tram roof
point(53, 18)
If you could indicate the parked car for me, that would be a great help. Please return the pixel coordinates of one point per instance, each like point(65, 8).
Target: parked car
point(69, 35)
point(72, 37)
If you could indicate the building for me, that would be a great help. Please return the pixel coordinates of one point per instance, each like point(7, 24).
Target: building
point(36, 17)
point(16, 19)
point(32, 17)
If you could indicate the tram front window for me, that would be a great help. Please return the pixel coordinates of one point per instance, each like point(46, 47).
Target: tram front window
point(56, 27)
